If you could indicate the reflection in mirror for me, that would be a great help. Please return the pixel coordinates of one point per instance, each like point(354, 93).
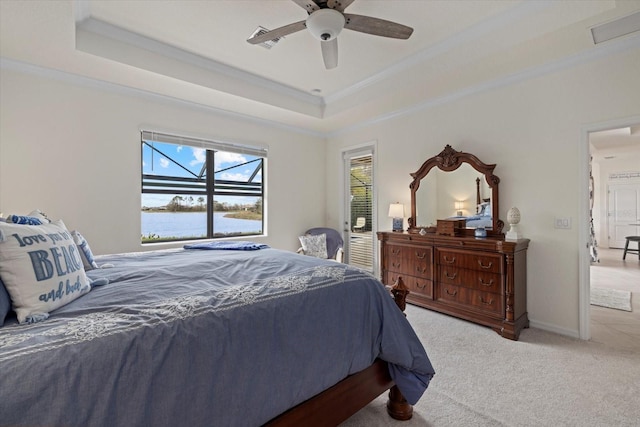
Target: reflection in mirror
point(453, 195)
point(455, 185)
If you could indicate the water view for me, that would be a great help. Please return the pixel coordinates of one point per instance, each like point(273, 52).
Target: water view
point(194, 224)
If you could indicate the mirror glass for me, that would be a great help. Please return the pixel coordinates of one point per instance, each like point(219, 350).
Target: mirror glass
point(455, 185)
point(454, 195)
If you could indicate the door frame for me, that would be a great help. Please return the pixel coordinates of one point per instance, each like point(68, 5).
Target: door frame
point(584, 291)
point(345, 220)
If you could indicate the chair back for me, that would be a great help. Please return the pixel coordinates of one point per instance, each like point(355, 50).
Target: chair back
point(334, 239)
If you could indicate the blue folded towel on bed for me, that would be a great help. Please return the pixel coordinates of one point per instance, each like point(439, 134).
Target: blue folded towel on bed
point(230, 246)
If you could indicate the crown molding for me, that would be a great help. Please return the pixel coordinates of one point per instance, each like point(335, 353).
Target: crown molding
point(67, 77)
point(507, 17)
point(600, 51)
point(603, 50)
point(241, 78)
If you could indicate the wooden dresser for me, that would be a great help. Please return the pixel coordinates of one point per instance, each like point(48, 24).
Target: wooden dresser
point(483, 280)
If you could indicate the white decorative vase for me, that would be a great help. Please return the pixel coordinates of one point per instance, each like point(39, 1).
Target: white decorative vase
point(513, 218)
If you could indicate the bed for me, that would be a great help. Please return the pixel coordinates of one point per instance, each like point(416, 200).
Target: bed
point(213, 337)
point(483, 218)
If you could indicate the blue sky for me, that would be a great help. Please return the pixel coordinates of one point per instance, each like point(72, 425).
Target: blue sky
point(193, 159)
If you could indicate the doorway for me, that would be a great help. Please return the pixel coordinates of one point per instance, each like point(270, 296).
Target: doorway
point(614, 160)
point(359, 214)
point(623, 211)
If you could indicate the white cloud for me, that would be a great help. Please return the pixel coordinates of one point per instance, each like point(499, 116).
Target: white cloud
point(199, 155)
point(234, 176)
point(227, 157)
point(164, 162)
point(179, 148)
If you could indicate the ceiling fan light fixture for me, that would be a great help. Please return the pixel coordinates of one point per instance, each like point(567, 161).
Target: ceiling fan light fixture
point(325, 24)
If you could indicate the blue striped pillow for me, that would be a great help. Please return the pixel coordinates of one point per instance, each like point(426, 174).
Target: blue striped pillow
point(24, 220)
point(88, 259)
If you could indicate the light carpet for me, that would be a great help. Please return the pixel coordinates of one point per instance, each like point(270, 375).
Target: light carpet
point(611, 298)
point(544, 379)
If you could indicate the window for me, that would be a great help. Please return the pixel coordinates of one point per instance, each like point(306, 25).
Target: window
point(198, 189)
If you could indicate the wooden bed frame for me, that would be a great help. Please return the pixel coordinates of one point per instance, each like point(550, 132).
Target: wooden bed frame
point(479, 199)
point(338, 403)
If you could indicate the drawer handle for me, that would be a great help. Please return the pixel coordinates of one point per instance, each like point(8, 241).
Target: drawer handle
point(395, 251)
point(420, 270)
point(450, 261)
point(450, 277)
point(421, 287)
point(453, 294)
point(486, 302)
point(483, 283)
point(395, 264)
point(424, 254)
point(485, 266)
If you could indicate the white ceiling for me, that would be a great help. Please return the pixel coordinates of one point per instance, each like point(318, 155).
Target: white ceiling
point(196, 51)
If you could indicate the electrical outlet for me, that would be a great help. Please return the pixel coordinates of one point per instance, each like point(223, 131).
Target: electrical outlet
point(563, 223)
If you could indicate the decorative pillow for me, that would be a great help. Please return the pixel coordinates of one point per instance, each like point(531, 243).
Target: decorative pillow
point(23, 219)
point(41, 268)
point(314, 245)
point(37, 213)
point(88, 260)
point(5, 303)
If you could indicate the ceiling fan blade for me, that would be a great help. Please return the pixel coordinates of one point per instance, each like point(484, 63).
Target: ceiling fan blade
point(308, 5)
point(330, 53)
point(278, 32)
point(377, 26)
point(339, 5)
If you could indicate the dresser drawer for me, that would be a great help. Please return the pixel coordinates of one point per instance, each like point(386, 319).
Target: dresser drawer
point(478, 261)
point(471, 299)
point(409, 260)
point(481, 280)
point(416, 285)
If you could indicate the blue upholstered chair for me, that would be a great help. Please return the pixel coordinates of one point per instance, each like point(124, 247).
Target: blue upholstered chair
point(334, 242)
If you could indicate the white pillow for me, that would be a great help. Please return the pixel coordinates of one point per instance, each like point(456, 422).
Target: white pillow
point(41, 268)
point(314, 245)
point(88, 260)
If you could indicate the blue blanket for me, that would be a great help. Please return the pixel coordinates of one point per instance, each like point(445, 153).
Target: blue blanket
point(229, 246)
point(224, 338)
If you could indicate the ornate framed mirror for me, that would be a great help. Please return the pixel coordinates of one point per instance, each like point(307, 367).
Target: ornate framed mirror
point(455, 185)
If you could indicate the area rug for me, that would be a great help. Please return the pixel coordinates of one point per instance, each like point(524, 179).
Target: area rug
point(611, 298)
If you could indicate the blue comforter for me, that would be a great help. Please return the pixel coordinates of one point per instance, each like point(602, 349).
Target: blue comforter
point(204, 338)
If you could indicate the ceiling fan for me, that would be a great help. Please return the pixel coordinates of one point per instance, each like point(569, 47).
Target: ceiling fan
point(325, 21)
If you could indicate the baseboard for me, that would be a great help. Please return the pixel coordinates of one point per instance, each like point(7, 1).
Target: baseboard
point(573, 333)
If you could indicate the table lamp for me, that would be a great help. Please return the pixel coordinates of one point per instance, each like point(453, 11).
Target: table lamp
point(396, 211)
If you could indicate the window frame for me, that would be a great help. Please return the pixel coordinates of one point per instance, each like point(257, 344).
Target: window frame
point(204, 184)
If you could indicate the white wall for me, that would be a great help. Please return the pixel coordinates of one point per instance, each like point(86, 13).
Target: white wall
point(532, 131)
point(73, 151)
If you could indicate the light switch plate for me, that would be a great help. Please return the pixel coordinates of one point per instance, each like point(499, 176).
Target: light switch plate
point(563, 223)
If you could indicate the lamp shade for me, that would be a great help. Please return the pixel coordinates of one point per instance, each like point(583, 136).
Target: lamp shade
point(459, 205)
point(396, 210)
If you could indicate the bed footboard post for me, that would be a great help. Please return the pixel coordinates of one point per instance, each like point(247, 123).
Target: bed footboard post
point(397, 406)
